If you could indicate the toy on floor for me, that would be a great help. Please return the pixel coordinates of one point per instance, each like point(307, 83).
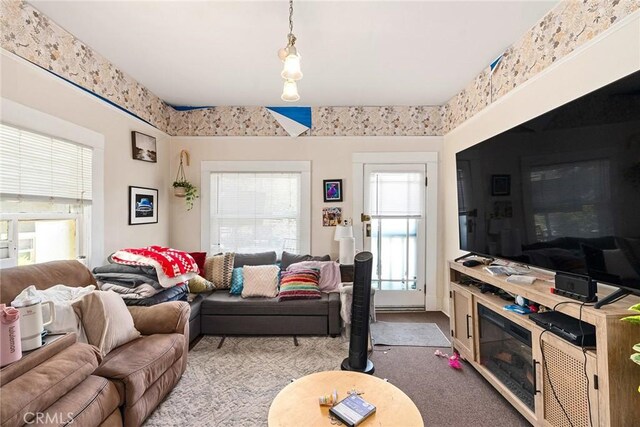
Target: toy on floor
point(454, 361)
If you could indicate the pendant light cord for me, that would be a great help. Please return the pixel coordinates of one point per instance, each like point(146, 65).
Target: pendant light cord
point(292, 38)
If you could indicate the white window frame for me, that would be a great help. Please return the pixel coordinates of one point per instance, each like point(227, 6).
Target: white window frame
point(257, 166)
point(30, 119)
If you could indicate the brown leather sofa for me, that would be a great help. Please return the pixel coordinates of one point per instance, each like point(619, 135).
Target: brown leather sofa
point(69, 382)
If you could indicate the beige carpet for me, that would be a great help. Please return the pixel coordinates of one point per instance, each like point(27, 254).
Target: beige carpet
point(234, 385)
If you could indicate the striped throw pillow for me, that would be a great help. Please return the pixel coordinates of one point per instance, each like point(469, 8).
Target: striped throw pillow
point(300, 284)
point(218, 269)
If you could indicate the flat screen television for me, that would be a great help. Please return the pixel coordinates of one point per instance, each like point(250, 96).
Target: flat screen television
point(561, 191)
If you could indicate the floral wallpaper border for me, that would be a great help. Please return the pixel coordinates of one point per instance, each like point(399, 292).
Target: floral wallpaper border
point(326, 121)
point(566, 27)
point(31, 35)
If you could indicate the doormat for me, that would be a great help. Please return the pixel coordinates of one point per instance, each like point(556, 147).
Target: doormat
point(408, 334)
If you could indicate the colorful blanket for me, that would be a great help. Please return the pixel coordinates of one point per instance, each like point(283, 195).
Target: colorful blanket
point(172, 266)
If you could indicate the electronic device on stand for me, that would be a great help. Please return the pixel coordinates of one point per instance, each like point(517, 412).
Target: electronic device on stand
point(357, 360)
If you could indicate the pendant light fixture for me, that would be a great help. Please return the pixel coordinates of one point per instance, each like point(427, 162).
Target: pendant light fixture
point(291, 71)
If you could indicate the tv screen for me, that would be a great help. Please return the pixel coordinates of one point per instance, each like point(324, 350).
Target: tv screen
point(561, 191)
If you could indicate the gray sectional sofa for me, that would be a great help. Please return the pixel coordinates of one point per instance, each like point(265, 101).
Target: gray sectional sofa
point(225, 314)
point(220, 313)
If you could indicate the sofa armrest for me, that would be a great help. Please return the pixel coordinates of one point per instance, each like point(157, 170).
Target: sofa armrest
point(38, 388)
point(335, 323)
point(166, 318)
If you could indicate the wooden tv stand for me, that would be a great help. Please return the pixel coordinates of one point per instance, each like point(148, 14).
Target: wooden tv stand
point(613, 379)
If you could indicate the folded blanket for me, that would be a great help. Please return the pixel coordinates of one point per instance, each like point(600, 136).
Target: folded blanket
point(141, 291)
point(172, 266)
point(129, 280)
point(175, 293)
point(145, 270)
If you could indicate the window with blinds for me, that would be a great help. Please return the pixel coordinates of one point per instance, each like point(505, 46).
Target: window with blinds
point(45, 197)
point(34, 166)
point(255, 212)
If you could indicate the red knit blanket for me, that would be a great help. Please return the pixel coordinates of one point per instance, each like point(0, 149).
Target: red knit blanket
point(173, 266)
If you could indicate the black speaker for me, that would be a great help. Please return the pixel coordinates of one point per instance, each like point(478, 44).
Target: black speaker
point(357, 360)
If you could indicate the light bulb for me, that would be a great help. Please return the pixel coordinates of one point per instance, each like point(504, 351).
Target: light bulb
point(291, 69)
point(290, 91)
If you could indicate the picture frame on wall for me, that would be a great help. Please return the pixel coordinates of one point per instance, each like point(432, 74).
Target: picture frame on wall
point(500, 185)
point(331, 217)
point(143, 147)
point(143, 205)
point(332, 190)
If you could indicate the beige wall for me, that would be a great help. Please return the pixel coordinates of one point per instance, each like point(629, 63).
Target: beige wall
point(603, 60)
point(330, 159)
point(33, 87)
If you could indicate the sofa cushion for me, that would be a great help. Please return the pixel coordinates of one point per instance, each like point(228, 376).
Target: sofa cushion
point(199, 258)
point(289, 258)
point(222, 303)
point(218, 269)
point(260, 281)
point(106, 320)
point(330, 276)
point(14, 280)
point(135, 366)
point(237, 281)
point(299, 284)
point(199, 284)
point(89, 403)
point(261, 258)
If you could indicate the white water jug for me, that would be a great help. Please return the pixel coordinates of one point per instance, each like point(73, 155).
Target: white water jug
point(31, 322)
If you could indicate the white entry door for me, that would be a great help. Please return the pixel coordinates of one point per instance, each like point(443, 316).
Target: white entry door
point(394, 198)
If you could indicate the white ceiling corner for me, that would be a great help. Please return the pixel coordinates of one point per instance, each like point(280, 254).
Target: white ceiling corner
point(208, 53)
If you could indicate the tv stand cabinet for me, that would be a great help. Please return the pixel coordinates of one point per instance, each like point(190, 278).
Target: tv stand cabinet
point(611, 381)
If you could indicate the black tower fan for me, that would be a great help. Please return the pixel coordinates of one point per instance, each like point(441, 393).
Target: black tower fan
point(357, 360)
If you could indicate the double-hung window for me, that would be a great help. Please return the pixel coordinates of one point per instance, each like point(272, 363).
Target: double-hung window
point(256, 206)
point(45, 197)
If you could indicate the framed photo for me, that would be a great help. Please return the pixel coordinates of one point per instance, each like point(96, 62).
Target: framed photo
point(500, 185)
point(332, 190)
point(331, 216)
point(143, 205)
point(143, 146)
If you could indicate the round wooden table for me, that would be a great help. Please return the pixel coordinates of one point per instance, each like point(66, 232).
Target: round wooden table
point(297, 404)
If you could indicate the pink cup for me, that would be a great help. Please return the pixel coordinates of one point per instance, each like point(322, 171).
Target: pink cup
point(10, 344)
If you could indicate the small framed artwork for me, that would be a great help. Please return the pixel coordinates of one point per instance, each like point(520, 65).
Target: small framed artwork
point(500, 185)
point(144, 147)
point(143, 205)
point(332, 190)
point(331, 216)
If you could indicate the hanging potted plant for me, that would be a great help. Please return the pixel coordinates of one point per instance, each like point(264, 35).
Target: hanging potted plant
point(182, 187)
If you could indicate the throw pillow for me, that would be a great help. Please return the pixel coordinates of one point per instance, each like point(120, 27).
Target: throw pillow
point(199, 284)
point(289, 258)
point(106, 320)
point(329, 273)
point(237, 282)
point(299, 284)
point(260, 281)
point(199, 258)
point(218, 269)
point(262, 258)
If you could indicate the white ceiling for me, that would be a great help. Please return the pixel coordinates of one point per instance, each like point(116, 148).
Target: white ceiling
point(212, 53)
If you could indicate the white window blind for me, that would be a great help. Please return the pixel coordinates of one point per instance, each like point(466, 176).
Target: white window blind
point(35, 166)
point(393, 193)
point(254, 212)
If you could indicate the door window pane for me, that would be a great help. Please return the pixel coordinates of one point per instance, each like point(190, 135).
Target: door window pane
point(394, 245)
